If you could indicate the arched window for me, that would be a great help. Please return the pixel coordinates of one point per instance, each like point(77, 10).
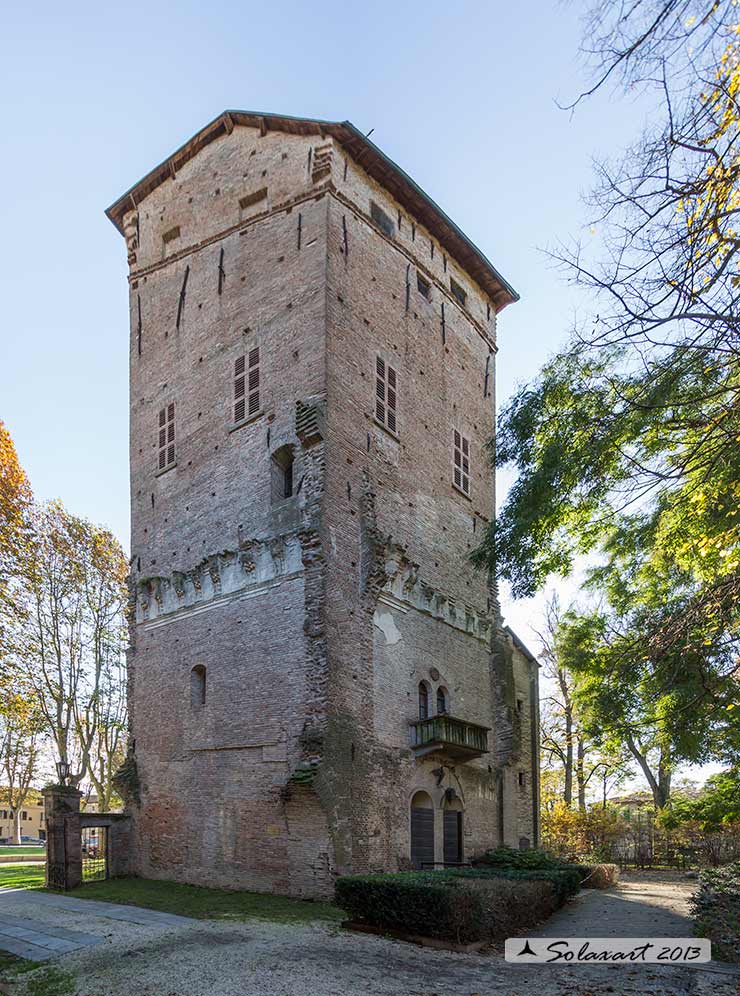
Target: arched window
point(443, 701)
point(282, 473)
point(423, 700)
point(198, 685)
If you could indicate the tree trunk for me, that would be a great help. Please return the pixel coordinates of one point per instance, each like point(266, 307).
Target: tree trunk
point(17, 827)
point(568, 715)
point(580, 774)
point(660, 786)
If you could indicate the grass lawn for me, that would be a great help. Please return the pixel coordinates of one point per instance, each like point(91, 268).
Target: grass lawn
point(187, 900)
point(22, 849)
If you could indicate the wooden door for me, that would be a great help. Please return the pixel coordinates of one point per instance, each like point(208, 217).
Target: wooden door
point(452, 836)
point(422, 837)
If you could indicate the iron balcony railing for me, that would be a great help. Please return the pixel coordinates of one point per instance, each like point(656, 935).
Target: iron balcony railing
point(446, 734)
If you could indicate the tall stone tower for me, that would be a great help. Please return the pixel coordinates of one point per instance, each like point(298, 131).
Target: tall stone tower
point(319, 681)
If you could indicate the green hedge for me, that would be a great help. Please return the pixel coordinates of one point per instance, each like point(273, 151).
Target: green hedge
point(511, 857)
point(462, 905)
point(599, 876)
point(716, 910)
point(565, 881)
point(417, 903)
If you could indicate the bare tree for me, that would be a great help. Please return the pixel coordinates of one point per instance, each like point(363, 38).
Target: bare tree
point(21, 726)
point(72, 640)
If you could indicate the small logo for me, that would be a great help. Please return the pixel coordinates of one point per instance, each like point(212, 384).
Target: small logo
point(609, 950)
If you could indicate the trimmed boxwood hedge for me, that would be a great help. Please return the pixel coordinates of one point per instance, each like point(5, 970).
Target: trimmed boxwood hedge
point(599, 876)
point(430, 903)
point(461, 904)
point(565, 881)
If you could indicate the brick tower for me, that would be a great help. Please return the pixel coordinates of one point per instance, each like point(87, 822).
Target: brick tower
point(319, 681)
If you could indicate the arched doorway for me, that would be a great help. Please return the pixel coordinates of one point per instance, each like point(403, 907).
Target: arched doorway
point(422, 830)
point(452, 827)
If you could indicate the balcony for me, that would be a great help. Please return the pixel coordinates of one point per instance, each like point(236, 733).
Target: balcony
point(446, 735)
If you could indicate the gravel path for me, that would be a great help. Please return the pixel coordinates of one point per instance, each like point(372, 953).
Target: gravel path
point(210, 958)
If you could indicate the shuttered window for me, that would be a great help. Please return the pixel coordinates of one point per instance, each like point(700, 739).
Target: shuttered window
point(386, 397)
point(167, 436)
point(247, 385)
point(461, 465)
point(452, 839)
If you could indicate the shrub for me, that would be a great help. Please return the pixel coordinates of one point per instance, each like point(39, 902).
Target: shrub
point(599, 876)
point(565, 881)
point(452, 905)
point(415, 902)
point(511, 906)
point(510, 857)
point(715, 908)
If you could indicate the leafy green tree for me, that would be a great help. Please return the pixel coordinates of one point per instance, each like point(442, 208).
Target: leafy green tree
point(714, 808)
point(627, 445)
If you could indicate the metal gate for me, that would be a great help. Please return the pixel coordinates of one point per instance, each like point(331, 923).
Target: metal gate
point(94, 853)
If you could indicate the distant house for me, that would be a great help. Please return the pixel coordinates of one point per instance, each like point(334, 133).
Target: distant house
point(633, 806)
point(32, 818)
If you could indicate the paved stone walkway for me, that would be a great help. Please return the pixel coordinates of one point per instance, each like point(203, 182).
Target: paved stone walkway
point(41, 937)
point(639, 907)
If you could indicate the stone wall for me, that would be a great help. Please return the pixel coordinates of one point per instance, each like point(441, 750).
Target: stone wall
point(312, 618)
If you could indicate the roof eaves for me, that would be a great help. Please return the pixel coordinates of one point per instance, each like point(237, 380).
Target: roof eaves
point(521, 646)
point(345, 132)
point(436, 208)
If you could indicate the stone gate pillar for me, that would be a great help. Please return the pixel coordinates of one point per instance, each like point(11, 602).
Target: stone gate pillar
point(63, 843)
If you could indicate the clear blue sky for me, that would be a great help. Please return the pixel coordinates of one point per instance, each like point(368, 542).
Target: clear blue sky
point(461, 95)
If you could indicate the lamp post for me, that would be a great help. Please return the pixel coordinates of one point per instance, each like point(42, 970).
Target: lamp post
point(62, 772)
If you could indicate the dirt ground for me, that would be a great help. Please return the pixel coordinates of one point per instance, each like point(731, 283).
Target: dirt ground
point(209, 958)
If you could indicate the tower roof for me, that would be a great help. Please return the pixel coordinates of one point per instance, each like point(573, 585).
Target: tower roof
point(375, 163)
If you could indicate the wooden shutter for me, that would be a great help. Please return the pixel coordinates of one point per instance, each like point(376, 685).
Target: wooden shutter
point(247, 385)
point(392, 424)
point(386, 395)
point(422, 837)
point(239, 392)
point(452, 842)
point(167, 436)
point(253, 386)
point(461, 465)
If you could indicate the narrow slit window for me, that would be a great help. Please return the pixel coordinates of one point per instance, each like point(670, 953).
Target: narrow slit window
point(386, 396)
point(423, 700)
point(382, 220)
point(247, 385)
point(458, 292)
point(198, 686)
point(167, 436)
point(282, 473)
point(461, 464)
point(424, 287)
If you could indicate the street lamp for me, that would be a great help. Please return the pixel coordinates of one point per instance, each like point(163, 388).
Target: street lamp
point(62, 772)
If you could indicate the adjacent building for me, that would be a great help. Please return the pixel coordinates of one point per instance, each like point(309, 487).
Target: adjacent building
point(320, 682)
